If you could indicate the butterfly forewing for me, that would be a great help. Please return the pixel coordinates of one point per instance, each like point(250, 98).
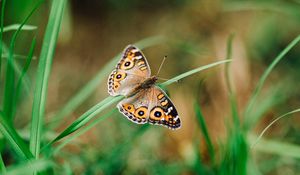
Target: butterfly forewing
point(162, 111)
point(131, 70)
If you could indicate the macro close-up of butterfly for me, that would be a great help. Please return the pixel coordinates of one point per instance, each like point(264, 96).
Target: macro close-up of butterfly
point(145, 102)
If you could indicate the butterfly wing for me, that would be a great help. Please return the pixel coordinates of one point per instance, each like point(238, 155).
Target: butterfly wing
point(135, 108)
point(162, 111)
point(130, 71)
point(150, 105)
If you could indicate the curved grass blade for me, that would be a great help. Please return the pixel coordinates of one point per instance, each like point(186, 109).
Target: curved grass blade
point(17, 26)
point(264, 77)
point(188, 73)
point(274, 121)
point(87, 90)
point(16, 142)
point(87, 116)
point(84, 130)
point(29, 167)
point(43, 72)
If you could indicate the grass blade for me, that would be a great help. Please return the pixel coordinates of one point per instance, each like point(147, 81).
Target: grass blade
point(188, 73)
point(43, 73)
point(87, 90)
point(87, 116)
point(202, 125)
point(264, 77)
point(16, 142)
point(274, 121)
point(17, 26)
point(29, 167)
point(84, 130)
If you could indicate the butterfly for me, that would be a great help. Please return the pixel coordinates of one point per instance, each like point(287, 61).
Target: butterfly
point(145, 102)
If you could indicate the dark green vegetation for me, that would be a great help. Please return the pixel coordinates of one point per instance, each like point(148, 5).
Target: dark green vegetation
point(51, 125)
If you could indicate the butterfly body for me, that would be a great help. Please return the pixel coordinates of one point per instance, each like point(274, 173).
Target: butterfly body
point(148, 83)
point(144, 102)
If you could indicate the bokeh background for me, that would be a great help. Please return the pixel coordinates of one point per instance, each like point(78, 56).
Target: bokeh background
point(191, 33)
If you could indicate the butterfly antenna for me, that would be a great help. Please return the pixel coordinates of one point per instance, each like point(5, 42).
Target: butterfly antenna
point(161, 65)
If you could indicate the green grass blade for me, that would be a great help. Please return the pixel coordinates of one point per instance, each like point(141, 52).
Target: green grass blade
point(2, 166)
point(43, 72)
point(16, 142)
point(24, 71)
point(29, 167)
point(275, 147)
point(10, 74)
point(202, 125)
point(274, 121)
point(1, 28)
point(265, 75)
point(17, 26)
point(196, 70)
point(82, 131)
point(87, 116)
point(88, 89)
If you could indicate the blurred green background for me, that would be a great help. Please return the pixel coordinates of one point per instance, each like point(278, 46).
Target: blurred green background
point(191, 33)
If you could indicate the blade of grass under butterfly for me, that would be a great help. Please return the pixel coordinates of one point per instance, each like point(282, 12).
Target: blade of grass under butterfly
point(29, 167)
point(9, 89)
point(87, 90)
point(193, 71)
point(202, 125)
point(43, 72)
point(264, 77)
point(1, 28)
point(87, 116)
point(24, 71)
point(91, 113)
point(16, 27)
point(82, 131)
point(16, 142)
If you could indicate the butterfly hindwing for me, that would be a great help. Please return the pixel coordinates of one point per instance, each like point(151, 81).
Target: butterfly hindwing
point(150, 105)
point(135, 108)
point(131, 70)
